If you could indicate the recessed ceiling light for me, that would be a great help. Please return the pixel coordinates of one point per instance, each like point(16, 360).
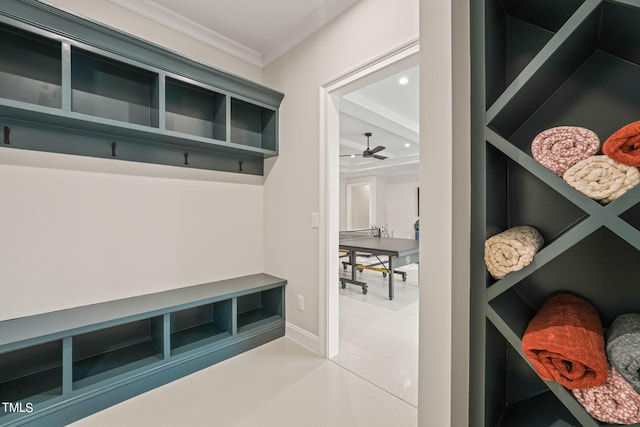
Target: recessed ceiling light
point(353, 156)
point(403, 80)
point(407, 145)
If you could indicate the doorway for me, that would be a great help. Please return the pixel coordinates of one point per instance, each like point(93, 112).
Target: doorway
point(335, 192)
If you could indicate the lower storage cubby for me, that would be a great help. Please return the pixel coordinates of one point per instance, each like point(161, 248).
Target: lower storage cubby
point(516, 396)
point(109, 352)
point(259, 308)
point(198, 326)
point(31, 375)
point(58, 367)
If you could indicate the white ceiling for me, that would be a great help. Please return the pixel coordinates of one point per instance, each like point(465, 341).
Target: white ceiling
point(260, 31)
point(390, 111)
point(256, 31)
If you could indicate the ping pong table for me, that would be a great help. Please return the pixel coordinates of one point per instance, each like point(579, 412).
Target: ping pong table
point(399, 252)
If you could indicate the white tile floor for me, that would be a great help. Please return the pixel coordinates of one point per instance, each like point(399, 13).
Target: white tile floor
point(372, 382)
point(378, 336)
point(278, 384)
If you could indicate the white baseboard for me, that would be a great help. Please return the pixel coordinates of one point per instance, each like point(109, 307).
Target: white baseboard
point(303, 337)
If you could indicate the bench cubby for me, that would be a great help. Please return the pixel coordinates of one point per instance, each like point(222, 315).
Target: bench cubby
point(204, 324)
point(33, 373)
point(67, 364)
point(109, 352)
point(259, 308)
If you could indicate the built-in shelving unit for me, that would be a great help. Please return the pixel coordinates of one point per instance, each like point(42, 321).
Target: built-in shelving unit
point(196, 326)
point(538, 64)
point(68, 364)
point(259, 308)
point(96, 92)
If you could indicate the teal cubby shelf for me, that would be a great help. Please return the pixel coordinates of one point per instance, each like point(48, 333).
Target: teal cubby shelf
point(536, 65)
point(259, 308)
point(34, 73)
point(68, 364)
point(101, 93)
point(111, 89)
point(34, 373)
point(195, 326)
point(109, 352)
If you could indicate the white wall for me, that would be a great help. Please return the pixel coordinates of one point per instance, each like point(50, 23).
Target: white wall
point(79, 230)
point(445, 212)
point(402, 204)
point(71, 237)
point(396, 202)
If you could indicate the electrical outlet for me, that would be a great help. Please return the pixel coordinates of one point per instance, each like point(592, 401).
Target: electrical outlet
point(300, 303)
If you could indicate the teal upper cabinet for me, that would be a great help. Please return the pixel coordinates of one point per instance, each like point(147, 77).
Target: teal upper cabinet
point(70, 85)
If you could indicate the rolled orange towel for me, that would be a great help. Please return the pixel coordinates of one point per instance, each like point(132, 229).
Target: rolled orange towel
point(565, 342)
point(624, 145)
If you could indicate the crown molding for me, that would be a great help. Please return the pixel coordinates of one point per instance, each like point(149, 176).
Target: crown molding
point(161, 15)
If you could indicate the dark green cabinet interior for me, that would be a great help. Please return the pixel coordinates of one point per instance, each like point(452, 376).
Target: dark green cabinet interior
point(536, 65)
point(145, 103)
point(259, 308)
point(107, 88)
point(30, 68)
point(33, 373)
point(73, 362)
point(198, 325)
point(195, 110)
point(106, 353)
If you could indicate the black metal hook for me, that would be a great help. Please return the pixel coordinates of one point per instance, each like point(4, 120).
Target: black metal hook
point(240, 166)
point(186, 158)
point(6, 135)
point(113, 149)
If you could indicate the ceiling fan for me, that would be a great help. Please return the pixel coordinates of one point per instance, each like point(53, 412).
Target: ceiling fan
point(369, 152)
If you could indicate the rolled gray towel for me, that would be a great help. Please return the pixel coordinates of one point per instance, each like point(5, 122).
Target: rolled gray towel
point(623, 347)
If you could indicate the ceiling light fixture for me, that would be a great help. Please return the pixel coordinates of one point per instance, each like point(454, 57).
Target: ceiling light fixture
point(407, 145)
point(403, 80)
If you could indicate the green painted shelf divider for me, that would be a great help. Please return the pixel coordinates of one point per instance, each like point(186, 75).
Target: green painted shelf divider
point(537, 64)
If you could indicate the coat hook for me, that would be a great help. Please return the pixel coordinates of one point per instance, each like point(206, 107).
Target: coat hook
point(113, 149)
point(6, 134)
point(240, 166)
point(186, 158)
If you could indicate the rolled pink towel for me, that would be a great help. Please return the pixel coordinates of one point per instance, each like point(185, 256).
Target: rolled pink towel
point(613, 402)
point(561, 147)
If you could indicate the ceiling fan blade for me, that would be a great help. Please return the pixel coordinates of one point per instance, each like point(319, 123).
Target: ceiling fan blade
point(377, 156)
point(378, 148)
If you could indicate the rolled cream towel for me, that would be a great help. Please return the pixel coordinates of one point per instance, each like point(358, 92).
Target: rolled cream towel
point(624, 145)
point(613, 402)
point(623, 347)
point(511, 250)
point(565, 342)
point(601, 178)
point(561, 147)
